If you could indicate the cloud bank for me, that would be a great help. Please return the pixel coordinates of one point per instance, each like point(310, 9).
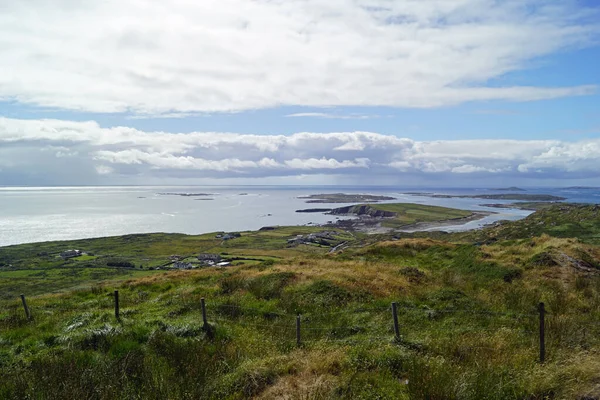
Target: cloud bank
point(66, 152)
point(181, 56)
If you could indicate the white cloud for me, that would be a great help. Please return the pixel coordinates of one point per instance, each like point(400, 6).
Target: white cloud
point(180, 57)
point(331, 116)
point(104, 170)
point(61, 151)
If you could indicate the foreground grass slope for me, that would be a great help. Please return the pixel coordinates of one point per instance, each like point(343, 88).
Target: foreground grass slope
point(467, 313)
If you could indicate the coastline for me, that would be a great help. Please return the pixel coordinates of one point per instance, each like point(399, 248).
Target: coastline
point(88, 212)
point(427, 226)
point(370, 225)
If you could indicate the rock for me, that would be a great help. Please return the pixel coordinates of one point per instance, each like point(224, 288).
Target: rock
point(362, 209)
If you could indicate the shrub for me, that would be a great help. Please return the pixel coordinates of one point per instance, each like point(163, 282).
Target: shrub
point(512, 274)
point(543, 259)
point(413, 274)
point(115, 262)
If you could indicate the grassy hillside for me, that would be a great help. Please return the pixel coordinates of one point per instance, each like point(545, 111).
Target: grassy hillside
point(467, 312)
point(559, 220)
point(37, 268)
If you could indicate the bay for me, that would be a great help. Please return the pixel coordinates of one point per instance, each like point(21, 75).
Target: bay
point(36, 214)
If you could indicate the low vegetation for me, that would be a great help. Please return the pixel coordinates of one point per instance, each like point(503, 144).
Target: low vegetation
point(467, 310)
point(407, 214)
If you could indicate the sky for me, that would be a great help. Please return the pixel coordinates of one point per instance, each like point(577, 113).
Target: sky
point(300, 92)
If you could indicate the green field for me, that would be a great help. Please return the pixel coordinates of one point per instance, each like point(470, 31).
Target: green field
point(467, 310)
point(408, 214)
point(37, 268)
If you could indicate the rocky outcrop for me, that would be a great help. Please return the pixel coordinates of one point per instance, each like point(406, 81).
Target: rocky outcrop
point(362, 209)
point(314, 210)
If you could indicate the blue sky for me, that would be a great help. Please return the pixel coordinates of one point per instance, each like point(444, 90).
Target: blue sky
point(81, 93)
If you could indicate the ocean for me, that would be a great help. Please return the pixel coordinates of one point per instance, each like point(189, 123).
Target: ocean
point(36, 214)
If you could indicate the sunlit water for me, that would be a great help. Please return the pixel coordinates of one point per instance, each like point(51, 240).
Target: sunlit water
point(43, 214)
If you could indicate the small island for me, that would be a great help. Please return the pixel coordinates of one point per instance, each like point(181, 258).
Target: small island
point(504, 196)
point(186, 194)
point(510, 189)
point(314, 210)
point(344, 198)
point(531, 205)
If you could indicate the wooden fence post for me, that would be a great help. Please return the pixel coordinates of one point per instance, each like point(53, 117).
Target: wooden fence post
point(542, 311)
point(27, 313)
point(298, 330)
point(117, 304)
point(395, 316)
point(204, 320)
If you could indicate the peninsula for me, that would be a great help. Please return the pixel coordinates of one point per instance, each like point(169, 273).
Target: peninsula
point(384, 218)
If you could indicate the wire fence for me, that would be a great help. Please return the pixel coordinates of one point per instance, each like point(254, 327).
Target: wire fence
point(466, 329)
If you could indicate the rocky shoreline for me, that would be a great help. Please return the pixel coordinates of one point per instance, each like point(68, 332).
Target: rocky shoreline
point(366, 223)
point(426, 226)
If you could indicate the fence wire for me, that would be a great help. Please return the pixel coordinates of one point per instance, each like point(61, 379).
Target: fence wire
point(467, 329)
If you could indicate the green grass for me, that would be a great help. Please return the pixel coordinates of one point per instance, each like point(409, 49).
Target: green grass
point(467, 313)
point(408, 214)
point(33, 282)
point(85, 258)
point(48, 272)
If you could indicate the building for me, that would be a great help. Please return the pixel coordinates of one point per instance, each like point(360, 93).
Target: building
point(209, 259)
point(318, 238)
point(232, 235)
point(70, 254)
point(224, 264)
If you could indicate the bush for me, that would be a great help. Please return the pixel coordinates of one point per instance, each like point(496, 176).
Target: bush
point(543, 259)
point(512, 274)
point(119, 263)
point(413, 274)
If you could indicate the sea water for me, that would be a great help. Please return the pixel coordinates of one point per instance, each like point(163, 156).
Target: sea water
point(35, 214)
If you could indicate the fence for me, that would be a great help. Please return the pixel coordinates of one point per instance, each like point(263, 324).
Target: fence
point(302, 329)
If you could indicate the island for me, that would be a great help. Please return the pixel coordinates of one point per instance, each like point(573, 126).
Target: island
point(344, 198)
point(186, 194)
point(504, 196)
point(530, 205)
point(510, 189)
